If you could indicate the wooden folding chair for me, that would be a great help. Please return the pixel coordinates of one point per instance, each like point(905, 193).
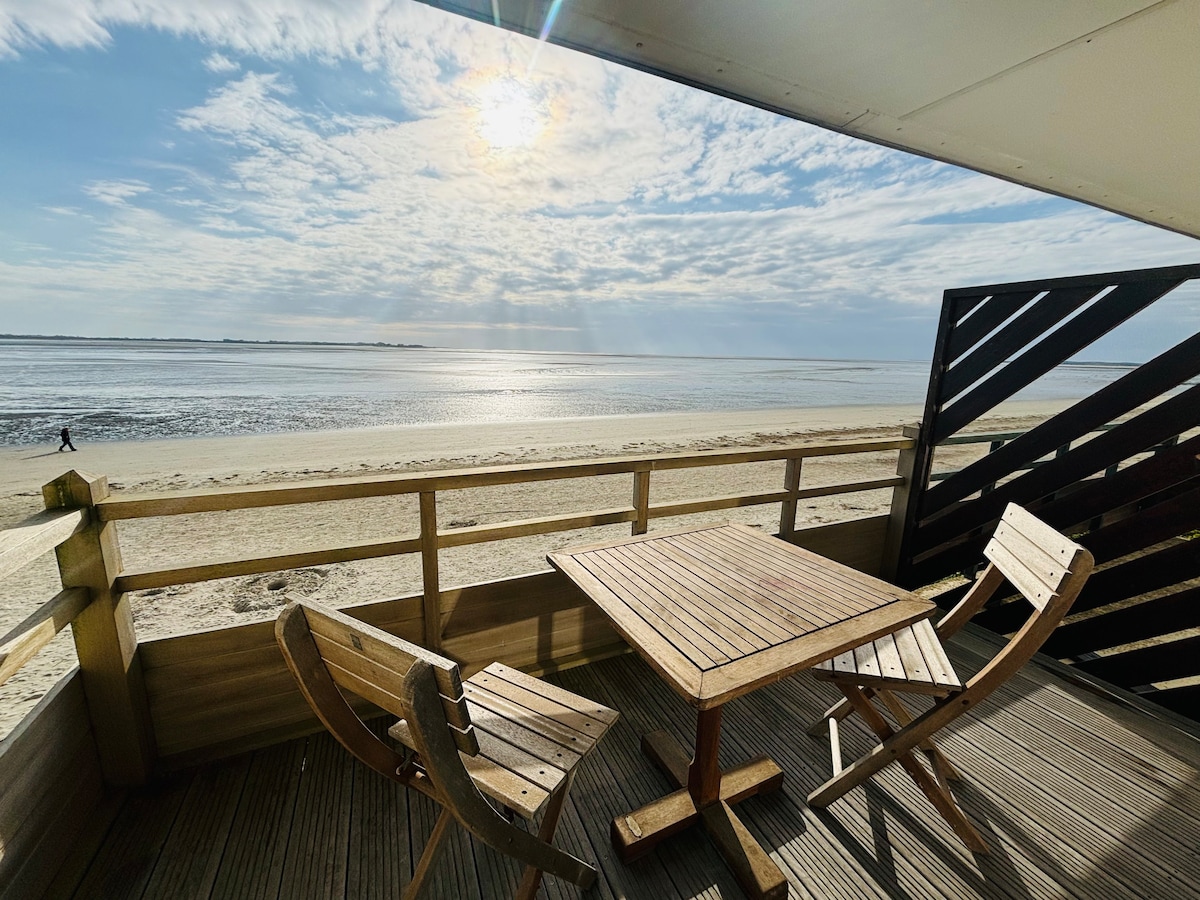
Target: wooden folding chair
point(1046, 568)
point(501, 733)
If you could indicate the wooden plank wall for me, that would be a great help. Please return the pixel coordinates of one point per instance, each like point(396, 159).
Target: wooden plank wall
point(216, 693)
point(52, 794)
point(1131, 493)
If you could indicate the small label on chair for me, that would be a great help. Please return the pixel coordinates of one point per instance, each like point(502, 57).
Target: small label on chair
point(633, 826)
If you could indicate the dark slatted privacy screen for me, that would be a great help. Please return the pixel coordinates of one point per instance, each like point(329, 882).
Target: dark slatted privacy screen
point(1122, 475)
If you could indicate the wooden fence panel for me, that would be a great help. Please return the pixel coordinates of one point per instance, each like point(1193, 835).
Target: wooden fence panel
point(52, 794)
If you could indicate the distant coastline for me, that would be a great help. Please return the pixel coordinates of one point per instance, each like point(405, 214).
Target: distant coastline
point(160, 340)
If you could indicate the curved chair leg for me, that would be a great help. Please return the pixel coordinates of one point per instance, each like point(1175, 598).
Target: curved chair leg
point(532, 876)
point(433, 850)
point(941, 765)
point(855, 774)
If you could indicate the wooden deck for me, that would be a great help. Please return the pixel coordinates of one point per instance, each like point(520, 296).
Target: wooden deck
point(1077, 795)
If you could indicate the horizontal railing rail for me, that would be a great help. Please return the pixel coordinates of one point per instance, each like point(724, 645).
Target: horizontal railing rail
point(173, 503)
point(22, 643)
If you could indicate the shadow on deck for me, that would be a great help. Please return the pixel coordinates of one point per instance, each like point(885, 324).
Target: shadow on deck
point(1077, 796)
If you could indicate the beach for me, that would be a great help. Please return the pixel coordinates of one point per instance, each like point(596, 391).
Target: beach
point(194, 463)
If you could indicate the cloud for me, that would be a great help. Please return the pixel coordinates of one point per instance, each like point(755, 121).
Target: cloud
point(337, 183)
point(220, 65)
point(115, 193)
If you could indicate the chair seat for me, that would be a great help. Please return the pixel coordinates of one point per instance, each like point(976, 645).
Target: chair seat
point(911, 659)
point(531, 735)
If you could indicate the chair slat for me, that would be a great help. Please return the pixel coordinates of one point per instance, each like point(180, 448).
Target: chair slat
point(553, 692)
point(535, 700)
point(843, 662)
point(911, 655)
point(890, 664)
point(1053, 543)
point(547, 727)
point(866, 661)
point(1049, 566)
point(532, 739)
point(364, 658)
point(1026, 581)
point(386, 649)
point(368, 669)
point(940, 668)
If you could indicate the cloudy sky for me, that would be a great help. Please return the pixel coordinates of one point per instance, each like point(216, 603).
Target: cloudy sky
point(374, 171)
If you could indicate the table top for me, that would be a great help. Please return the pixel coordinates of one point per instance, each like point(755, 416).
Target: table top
point(721, 610)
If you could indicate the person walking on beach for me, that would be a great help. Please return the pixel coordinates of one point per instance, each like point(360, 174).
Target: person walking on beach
point(66, 438)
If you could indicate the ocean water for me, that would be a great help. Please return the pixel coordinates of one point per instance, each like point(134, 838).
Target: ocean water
point(140, 390)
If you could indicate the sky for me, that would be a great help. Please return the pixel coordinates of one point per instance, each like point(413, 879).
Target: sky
point(384, 171)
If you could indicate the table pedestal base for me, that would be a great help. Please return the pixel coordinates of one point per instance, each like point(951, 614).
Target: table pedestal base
point(638, 832)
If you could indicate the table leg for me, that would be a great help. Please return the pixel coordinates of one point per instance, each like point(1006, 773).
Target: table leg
point(704, 774)
point(641, 830)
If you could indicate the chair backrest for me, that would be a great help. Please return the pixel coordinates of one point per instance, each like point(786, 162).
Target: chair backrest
point(1047, 568)
point(1044, 565)
point(323, 646)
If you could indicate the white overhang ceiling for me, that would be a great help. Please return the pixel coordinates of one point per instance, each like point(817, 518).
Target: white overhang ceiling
point(1098, 100)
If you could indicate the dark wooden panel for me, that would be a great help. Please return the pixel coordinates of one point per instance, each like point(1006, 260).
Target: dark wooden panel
point(1140, 386)
point(1100, 279)
point(1132, 484)
point(1160, 662)
point(1165, 615)
point(1134, 436)
point(969, 332)
point(1097, 320)
point(1183, 700)
point(1036, 320)
point(1140, 575)
point(1170, 518)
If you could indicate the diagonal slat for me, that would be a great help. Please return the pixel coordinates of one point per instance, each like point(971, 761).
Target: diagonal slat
point(997, 309)
point(1159, 662)
point(1033, 322)
point(1127, 393)
point(1170, 518)
point(1153, 618)
point(1143, 479)
point(1127, 439)
point(1097, 320)
point(1088, 500)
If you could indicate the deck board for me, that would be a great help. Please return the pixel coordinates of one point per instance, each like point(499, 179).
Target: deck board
point(1079, 797)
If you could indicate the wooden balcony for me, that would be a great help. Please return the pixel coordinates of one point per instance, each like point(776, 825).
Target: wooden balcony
point(1078, 794)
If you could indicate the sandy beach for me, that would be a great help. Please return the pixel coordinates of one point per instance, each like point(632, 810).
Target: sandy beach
point(166, 465)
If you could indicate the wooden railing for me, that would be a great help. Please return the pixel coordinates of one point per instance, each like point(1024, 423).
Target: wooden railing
point(81, 526)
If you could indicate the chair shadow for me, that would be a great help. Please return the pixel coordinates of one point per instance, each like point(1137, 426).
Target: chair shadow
point(996, 875)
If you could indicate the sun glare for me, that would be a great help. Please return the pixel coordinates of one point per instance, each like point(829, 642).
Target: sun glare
point(509, 115)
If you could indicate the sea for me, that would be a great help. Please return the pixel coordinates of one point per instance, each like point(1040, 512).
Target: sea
point(115, 390)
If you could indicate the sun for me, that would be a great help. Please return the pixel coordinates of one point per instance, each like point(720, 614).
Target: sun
point(510, 116)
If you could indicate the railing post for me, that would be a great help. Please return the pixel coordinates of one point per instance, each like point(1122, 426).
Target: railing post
point(641, 500)
point(787, 509)
point(104, 636)
point(906, 467)
point(432, 592)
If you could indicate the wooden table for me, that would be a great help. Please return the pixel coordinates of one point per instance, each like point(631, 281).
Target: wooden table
point(719, 611)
